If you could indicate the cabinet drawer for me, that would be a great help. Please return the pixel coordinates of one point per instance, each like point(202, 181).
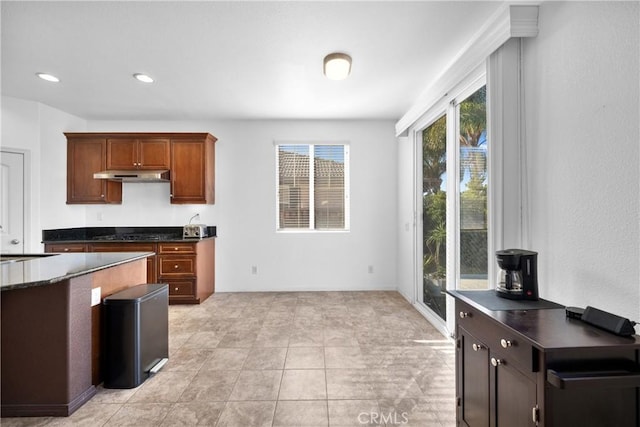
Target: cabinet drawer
point(501, 340)
point(71, 247)
point(181, 288)
point(177, 248)
point(174, 266)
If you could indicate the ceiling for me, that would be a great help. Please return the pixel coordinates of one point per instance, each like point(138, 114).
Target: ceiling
point(231, 59)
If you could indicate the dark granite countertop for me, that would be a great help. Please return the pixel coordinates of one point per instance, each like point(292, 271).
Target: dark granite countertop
point(45, 269)
point(119, 234)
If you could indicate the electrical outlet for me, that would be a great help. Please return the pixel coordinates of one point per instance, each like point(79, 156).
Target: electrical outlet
point(254, 269)
point(95, 296)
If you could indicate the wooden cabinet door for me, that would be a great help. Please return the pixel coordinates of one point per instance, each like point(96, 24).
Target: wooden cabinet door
point(153, 153)
point(86, 156)
point(122, 153)
point(152, 274)
point(513, 396)
point(473, 387)
point(65, 247)
point(191, 180)
point(137, 153)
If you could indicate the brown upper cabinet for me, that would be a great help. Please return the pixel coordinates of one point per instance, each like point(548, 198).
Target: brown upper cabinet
point(192, 170)
point(86, 156)
point(133, 153)
point(190, 158)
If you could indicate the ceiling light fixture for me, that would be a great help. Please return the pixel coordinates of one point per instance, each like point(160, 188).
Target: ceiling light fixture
point(337, 66)
point(143, 78)
point(48, 77)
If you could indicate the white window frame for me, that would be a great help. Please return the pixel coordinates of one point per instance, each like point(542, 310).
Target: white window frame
point(448, 106)
point(347, 187)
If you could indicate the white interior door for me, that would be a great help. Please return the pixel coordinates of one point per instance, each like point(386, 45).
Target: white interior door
point(11, 202)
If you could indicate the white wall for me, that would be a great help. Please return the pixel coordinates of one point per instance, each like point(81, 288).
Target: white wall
point(37, 129)
point(582, 108)
point(245, 198)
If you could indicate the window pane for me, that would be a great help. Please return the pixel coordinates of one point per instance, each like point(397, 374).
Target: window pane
point(328, 174)
point(473, 192)
point(293, 185)
point(434, 224)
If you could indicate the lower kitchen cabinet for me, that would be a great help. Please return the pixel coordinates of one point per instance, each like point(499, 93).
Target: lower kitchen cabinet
point(535, 367)
point(188, 267)
point(189, 270)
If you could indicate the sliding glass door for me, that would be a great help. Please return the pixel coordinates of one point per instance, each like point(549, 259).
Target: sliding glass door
point(454, 184)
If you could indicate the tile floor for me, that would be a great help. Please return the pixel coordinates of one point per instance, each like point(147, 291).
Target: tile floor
point(288, 359)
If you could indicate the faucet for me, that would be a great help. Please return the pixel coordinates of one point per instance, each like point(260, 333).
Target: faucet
point(195, 216)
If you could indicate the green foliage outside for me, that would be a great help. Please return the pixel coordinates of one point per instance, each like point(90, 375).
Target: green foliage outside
point(473, 197)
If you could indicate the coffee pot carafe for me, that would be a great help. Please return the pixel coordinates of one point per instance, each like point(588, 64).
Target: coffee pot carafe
point(518, 276)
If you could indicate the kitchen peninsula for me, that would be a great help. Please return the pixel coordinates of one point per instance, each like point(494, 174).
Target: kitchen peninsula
point(50, 332)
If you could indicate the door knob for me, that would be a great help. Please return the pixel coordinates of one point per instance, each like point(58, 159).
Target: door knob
point(496, 362)
point(15, 241)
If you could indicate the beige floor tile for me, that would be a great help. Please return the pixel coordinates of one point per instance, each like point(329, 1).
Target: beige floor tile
point(193, 414)
point(354, 413)
point(307, 336)
point(344, 358)
point(90, 415)
point(305, 358)
point(224, 359)
point(163, 388)
point(245, 338)
point(139, 415)
point(187, 359)
point(349, 384)
point(233, 356)
point(257, 385)
point(206, 339)
point(245, 414)
point(303, 384)
point(409, 412)
point(311, 413)
point(113, 395)
point(265, 358)
point(208, 386)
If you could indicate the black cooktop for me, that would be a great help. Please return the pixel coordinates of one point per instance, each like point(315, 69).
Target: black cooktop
point(137, 236)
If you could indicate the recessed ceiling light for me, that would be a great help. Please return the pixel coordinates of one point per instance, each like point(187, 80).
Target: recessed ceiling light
point(48, 77)
point(337, 66)
point(143, 78)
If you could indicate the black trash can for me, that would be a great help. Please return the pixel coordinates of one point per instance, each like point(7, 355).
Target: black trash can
point(136, 334)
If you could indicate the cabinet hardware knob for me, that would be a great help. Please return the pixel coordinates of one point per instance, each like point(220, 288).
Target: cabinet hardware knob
point(175, 249)
point(505, 343)
point(464, 314)
point(496, 362)
point(102, 195)
point(477, 347)
point(176, 266)
point(176, 289)
point(66, 249)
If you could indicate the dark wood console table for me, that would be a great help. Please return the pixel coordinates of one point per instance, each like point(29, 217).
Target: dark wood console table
point(527, 364)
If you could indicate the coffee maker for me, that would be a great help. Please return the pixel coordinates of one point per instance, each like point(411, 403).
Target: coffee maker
point(518, 275)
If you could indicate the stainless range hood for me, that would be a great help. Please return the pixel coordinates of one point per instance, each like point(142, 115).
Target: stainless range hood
point(134, 175)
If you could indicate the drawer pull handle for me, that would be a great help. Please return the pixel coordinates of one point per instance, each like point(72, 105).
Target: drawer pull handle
point(176, 266)
point(66, 249)
point(175, 249)
point(496, 362)
point(505, 343)
point(176, 289)
point(464, 314)
point(477, 347)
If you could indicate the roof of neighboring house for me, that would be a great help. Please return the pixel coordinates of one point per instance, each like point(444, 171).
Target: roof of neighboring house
point(294, 164)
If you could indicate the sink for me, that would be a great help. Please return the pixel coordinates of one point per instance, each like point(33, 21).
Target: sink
point(6, 258)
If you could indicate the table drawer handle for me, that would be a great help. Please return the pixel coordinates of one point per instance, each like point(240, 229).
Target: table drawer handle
point(496, 362)
point(477, 347)
point(506, 343)
point(464, 314)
